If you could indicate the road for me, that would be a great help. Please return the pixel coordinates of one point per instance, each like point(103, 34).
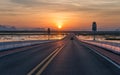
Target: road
point(64, 57)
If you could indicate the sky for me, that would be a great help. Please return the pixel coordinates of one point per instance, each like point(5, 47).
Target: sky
point(68, 14)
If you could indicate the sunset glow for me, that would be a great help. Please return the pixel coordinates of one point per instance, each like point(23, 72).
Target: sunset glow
point(59, 26)
point(65, 14)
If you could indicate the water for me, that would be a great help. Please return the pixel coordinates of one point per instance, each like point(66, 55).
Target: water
point(11, 38)
point(99, 38)
point(113, 45)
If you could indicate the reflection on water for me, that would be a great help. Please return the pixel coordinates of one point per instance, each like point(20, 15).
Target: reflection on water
point(113, 45)
point(98, 38)
point(8, 38)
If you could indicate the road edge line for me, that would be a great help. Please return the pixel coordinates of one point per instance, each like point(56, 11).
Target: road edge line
point(109, 60)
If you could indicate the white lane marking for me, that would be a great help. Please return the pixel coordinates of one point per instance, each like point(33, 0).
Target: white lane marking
point(118, 66)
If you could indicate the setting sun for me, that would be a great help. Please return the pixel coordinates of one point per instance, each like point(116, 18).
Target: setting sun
point(59, 20)
point(59, 26)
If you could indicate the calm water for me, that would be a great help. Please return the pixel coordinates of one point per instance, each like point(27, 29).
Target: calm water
point(99, 38)
point(8, 38)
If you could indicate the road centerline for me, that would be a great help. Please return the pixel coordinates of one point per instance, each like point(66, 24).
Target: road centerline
point(45, 62)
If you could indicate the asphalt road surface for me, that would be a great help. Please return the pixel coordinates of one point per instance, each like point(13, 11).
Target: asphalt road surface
point(64, 57)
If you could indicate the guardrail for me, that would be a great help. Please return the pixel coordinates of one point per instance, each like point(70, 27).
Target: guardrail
point(10, 45)
point(112, 48)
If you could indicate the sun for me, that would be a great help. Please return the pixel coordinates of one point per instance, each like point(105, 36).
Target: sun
point(59, 22)
point(59, 25)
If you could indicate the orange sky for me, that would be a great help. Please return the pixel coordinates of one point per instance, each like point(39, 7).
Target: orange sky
point(70, 14)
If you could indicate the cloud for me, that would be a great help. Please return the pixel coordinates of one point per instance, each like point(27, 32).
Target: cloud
point(69, 6)
point(86, 9)
point(52, 6)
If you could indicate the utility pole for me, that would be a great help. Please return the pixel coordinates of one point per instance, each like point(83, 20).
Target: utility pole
point(94, 29)
point(48, 31)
